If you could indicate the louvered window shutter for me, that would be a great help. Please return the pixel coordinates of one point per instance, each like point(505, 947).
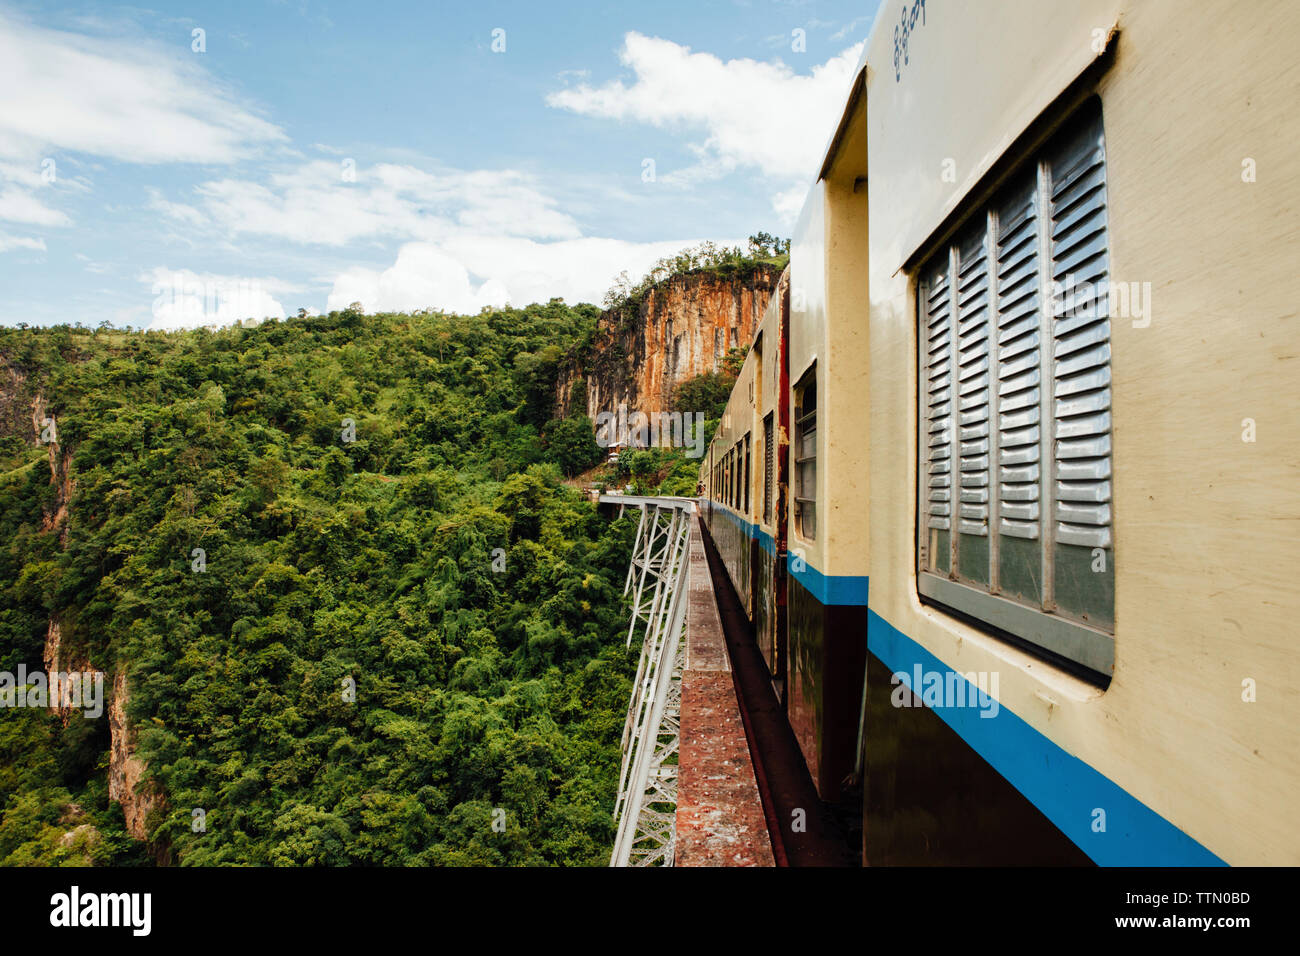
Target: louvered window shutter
point(938, 370)
point(1081, 377)
point(973, 405)
point(1019, 398)
point(1014, 365)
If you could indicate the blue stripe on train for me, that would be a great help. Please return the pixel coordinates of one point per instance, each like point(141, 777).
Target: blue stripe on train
point(827, 589)
point(1064, 788)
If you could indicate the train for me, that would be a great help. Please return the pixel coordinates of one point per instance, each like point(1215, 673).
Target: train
point(1009, 481)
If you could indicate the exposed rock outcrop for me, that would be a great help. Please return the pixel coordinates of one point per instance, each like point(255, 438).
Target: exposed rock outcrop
point(68, 703)
point(55, 656)
point(126, 772)
point(681, 328)
point(45, 426)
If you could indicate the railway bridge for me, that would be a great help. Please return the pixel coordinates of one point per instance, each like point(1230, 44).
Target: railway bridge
point(711, 774)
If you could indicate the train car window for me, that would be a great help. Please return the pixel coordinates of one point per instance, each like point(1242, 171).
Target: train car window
point(735, 476)
point(736, 466)
point(1015, 524)
point(738, 492)
point(731, 477)
point(726, 479)
point(805, 461)
point(769, 462)
point(745, 477)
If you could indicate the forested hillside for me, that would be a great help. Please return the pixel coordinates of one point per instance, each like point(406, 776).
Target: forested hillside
point(261, 518)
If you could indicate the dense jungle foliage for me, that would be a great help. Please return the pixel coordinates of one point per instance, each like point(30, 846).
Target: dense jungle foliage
point(263, 517)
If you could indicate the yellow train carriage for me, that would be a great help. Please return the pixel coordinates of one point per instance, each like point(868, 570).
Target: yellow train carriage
point(1034, 461)
point(742, 475)
point(731, 489)
point(1081, 417)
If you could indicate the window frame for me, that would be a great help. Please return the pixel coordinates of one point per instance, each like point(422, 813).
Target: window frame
point(1072, 641)
point(731, 478)
point(726, 480)
point(769, 464)
point(745, 475)
point(804, 505)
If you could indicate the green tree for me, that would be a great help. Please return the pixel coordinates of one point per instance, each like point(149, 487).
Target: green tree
point(392, 636)
point(572, 442)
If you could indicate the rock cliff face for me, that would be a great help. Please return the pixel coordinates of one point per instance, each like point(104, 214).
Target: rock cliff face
point(45, 428)
point(22, 407)
point(55, 656)
point(126, 783)
point(682, 328)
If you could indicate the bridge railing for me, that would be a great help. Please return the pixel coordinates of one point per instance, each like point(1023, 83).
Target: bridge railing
point(646, 809)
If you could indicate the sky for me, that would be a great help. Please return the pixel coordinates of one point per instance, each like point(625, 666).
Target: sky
point(197, 163)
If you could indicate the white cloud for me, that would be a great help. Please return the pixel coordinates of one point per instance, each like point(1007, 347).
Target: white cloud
point(19, 206)
point(750, 113)
point(849, 27)
point(175, 210)
point(116, 98)
point(336, 203)
point(788, 202)
point(466, 273)
point(422, 277)
point(90, 265)
point(185, 300)
point(8, 242)
point(109, 97)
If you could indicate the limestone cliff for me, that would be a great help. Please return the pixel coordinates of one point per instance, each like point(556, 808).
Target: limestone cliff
point(681, 328)
point(126, 771)
point(23, 407)
point(55, 656)
point(45, 429)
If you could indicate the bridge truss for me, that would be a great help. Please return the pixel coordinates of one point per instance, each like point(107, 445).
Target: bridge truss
point(646, 810)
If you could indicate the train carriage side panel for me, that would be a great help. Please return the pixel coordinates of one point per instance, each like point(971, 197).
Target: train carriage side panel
point(1157, 120)
point(828, 561)
point(765, 544)
point(731, 509)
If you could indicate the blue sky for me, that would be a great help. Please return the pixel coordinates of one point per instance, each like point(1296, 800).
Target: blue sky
point(400, 154)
